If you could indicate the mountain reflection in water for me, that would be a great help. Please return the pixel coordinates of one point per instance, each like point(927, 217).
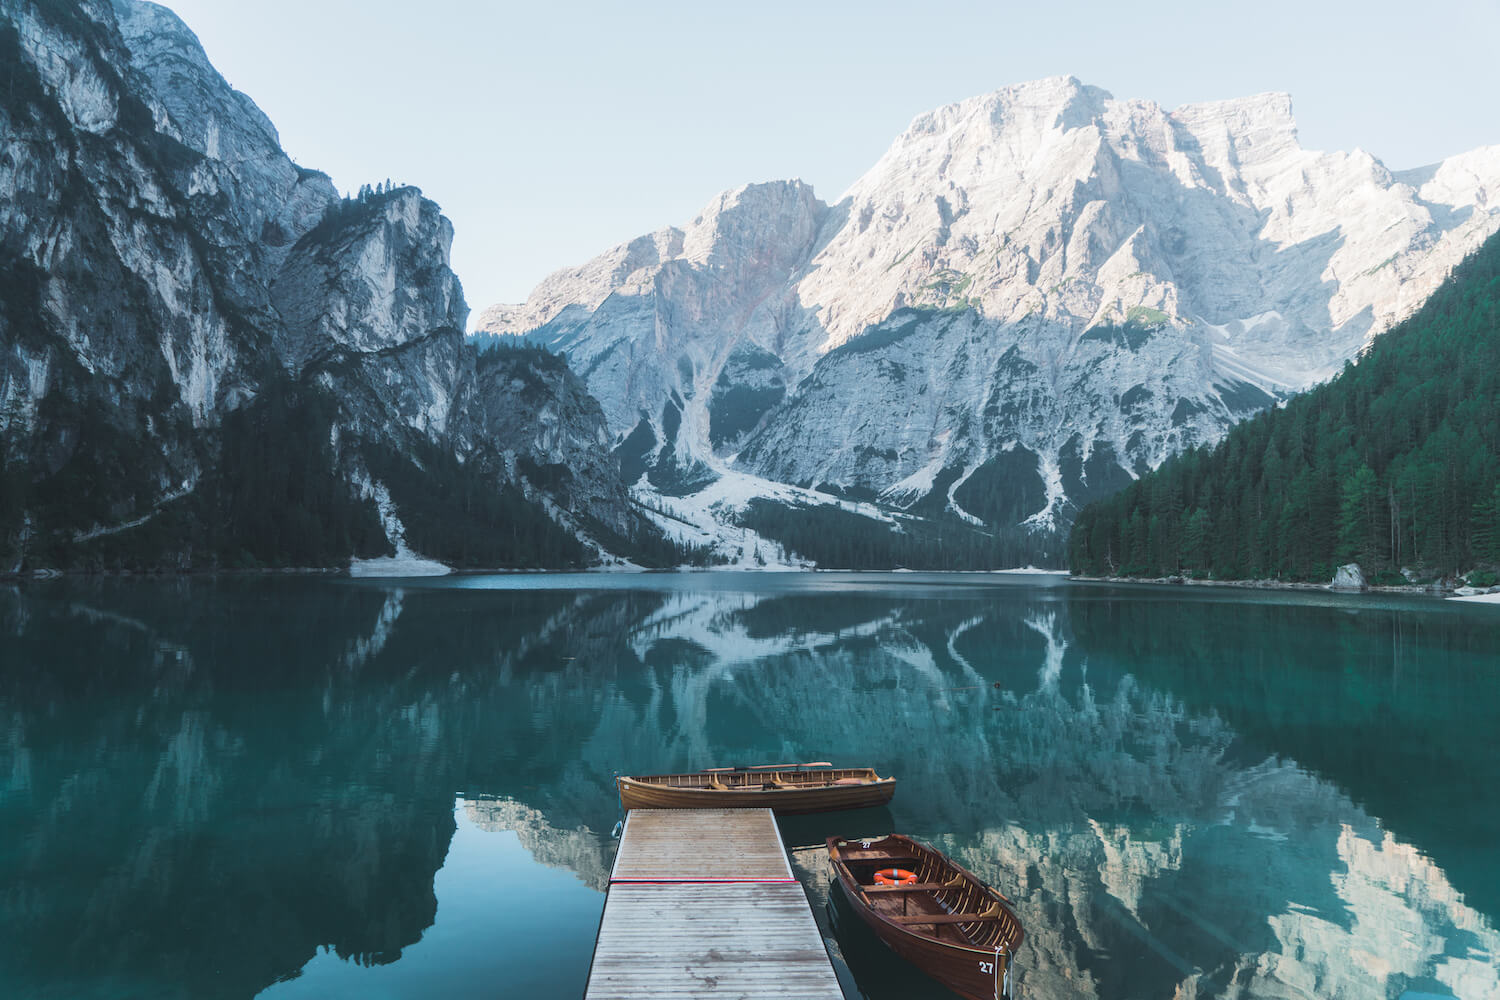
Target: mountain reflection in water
point(209, 786)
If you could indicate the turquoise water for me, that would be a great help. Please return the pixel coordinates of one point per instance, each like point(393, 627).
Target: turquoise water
point(321, 788)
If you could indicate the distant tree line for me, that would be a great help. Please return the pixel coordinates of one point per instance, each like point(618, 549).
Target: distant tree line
point(349, 212)
point(457, 513)
point(648, 546)
point(369, 192)
point(1395, 463)
point(835, 538)
point(484, 342)
point(272, 496)
point(277, 494)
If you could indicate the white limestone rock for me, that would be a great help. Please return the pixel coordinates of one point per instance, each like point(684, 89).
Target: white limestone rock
point(1044, 271)
point(1349, 577)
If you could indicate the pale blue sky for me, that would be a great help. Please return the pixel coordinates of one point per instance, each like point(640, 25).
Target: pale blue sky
point(550, 132)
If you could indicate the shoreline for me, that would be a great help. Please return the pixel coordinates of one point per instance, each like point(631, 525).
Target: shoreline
point(1182, 581)
point(159, 574)
point(1487, 596)
point(1491, 595)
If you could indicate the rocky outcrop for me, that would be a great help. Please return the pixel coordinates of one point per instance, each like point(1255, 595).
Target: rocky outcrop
point(1348, 577)
point(371, 311)
point(536, 418)
point(111, 317)
point(164, 266)
point(1034, 296)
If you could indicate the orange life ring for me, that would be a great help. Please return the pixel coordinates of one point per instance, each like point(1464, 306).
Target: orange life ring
point(895, 876)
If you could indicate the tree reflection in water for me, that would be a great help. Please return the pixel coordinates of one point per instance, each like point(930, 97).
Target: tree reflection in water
point(1185, 794)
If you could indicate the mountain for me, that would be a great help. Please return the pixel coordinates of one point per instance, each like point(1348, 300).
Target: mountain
point(1034, 297)
point(1395, 465)
point(208, 357)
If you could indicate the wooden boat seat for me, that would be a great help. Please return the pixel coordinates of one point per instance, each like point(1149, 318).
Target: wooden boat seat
point(942, 918)
point(896, 860)
point(993, 913)
point(914, 887)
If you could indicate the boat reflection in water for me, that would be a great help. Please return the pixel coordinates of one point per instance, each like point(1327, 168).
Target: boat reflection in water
point(1183, 794)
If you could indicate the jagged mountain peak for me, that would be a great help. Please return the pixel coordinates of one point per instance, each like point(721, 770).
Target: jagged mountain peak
point(625, 266)
point(770, 222)
point(764, 220)
point(168, 51)
point(1036, 292)
point(1043, 103)
point(1461, 180)
point(1271, 109)
point(1054, 199)
point(1024, 128)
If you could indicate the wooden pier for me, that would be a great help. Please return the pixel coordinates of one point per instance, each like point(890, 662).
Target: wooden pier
point(703, 903)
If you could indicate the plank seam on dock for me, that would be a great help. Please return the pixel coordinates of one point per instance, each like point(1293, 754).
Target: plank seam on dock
point(694, 845)
point(689, 880)
point(707, 933)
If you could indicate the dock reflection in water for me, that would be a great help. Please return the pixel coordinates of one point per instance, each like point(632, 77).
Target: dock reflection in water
point(208, 788)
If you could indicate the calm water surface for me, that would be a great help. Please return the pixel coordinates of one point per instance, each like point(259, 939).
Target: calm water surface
point(318, 788)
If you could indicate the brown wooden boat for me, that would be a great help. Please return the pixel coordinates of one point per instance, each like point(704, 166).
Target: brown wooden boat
point(931, 912)
point(786, 788)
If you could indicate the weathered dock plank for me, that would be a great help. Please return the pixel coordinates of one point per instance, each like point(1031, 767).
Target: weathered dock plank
point(703, 903)
point(708, 939)
point(701, 845)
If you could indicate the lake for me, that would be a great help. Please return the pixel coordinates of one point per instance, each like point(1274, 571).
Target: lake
point(310, 787)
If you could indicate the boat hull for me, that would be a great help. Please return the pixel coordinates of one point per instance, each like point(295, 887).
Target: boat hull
point(970, 972)
point(970, 957)
point(636, 794)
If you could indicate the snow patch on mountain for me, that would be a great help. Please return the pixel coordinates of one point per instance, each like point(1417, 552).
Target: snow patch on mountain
point(404, 562)
point(707, 519)
point(1043, 291)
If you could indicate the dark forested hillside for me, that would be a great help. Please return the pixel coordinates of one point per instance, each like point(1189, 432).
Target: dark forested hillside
point(1395, 463)
point(840, 539)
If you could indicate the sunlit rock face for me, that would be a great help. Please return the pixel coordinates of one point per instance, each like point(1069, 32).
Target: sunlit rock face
point(1046, 272)
point(164, 263)
point(663, 313)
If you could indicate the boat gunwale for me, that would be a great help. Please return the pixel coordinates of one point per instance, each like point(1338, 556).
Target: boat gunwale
point(846, 878)
point(659, 780)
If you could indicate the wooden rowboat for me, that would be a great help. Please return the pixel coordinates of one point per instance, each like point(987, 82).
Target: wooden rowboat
point(933, 913)
point(786, 788)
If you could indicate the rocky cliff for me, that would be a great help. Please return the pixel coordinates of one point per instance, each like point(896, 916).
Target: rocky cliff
point(1034, 296)
point(200, 339)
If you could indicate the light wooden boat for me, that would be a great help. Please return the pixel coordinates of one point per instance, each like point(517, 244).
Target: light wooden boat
point(943, 920)
point(786, 788)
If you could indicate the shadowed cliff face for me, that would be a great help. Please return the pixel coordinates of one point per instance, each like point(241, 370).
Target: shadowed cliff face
point(1163, 784)
point(166, 268)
